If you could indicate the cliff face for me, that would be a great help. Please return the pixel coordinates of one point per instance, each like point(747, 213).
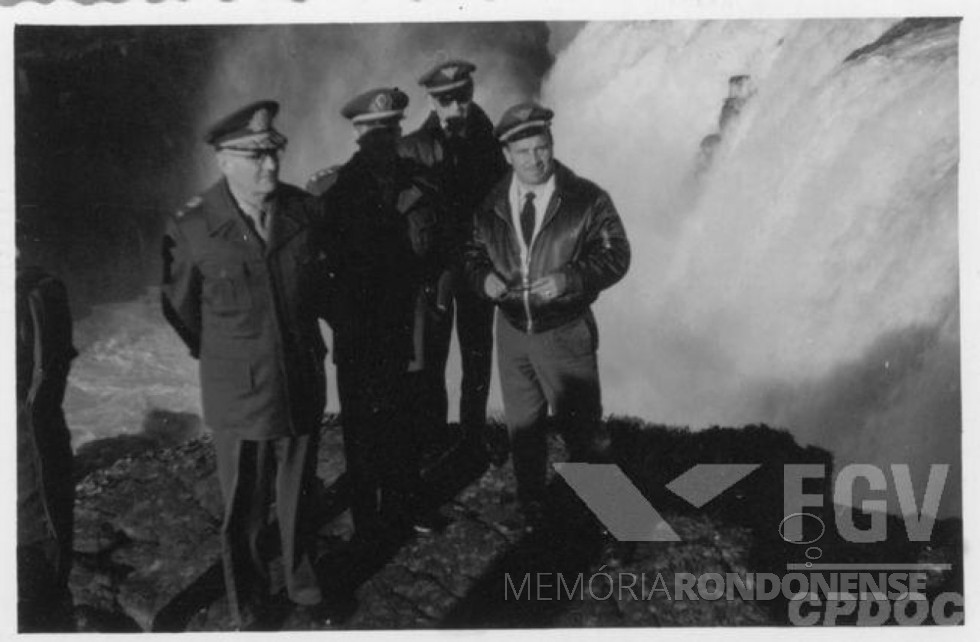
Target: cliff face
point(147, 550)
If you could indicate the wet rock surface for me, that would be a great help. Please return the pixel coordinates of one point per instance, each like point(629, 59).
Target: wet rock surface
point(146, 527)
point(147, 550)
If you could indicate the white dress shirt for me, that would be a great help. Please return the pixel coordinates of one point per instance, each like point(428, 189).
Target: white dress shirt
point(542, 198)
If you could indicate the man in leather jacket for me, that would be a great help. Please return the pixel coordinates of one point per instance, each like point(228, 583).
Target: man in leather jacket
point(456, 142)
point(545, 242)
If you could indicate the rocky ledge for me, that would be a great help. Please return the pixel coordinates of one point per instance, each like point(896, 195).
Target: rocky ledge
point(147, 549)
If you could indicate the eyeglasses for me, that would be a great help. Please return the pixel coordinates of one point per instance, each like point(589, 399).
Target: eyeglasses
point(461, 96)
point(257, 156)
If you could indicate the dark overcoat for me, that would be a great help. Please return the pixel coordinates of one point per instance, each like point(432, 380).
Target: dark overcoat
point(382, 243)
point(248, 311)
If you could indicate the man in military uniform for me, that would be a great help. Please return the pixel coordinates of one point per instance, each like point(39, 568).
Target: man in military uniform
point(456, 141)
point(239, 288)
point(45, 486)
point(545, 243)
point(381, 243)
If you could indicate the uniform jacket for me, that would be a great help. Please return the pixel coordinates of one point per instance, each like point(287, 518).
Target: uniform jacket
point(465, 168)
point(248, 311)
point(581, 235)
point(383, 246)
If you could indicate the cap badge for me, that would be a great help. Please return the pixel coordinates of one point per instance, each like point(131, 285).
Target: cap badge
point(524, 113)
point(450, 71)
point(260, 122)
point(382, 102)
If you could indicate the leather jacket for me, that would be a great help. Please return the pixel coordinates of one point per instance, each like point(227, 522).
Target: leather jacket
point(466, 167)
point(581, 235)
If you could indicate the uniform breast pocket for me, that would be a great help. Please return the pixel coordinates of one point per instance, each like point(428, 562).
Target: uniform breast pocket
point(230, 309)
point(225, 289)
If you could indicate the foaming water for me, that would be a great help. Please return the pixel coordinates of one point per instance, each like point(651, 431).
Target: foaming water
point(808, 277)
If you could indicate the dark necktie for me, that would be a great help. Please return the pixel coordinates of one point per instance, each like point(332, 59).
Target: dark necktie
point(527, 219)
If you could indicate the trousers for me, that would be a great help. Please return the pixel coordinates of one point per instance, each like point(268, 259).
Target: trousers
point(379, 446)
point(253, 476)
point(474, 329)
point(557, 369)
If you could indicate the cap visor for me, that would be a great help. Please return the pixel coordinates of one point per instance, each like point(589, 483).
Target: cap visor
point(453, 85)
point(265, 140)
point(376, 116)
point(513, 131)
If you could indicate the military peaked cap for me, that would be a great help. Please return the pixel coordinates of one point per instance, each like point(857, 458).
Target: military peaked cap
point(379, 104)
point(248, 128)
point(523, 120)
point(447, 76)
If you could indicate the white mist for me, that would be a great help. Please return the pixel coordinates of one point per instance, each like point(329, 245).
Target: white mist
point(808, 279)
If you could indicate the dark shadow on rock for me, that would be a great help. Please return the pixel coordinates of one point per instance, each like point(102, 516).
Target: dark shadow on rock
point(161, 429)
point(569, 545)
point(346, 567)
point(206, 589)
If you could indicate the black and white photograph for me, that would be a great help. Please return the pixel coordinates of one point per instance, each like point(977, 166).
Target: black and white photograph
point(490, 316)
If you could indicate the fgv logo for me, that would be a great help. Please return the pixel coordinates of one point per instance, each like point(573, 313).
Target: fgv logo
point(627, 514)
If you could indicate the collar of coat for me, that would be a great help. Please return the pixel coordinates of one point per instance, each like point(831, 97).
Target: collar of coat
point(404, 175)
point(569, 189)
point(223, 215)
point(478, 124)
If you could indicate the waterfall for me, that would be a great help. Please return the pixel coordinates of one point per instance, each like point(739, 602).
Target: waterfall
point(789, 188)
point(808, 277)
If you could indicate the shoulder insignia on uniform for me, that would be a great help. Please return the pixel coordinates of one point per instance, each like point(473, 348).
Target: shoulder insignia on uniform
point(322, 180)
point(189, 205)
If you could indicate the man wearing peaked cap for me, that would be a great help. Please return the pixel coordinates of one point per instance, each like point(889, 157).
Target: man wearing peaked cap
point(382, 244)
point(456, 142)
point(522, 121)
point(451, 75)
point(247, 129)
point(379, 106)
point(545, 244)
point(376, 116)
point(238, 287)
